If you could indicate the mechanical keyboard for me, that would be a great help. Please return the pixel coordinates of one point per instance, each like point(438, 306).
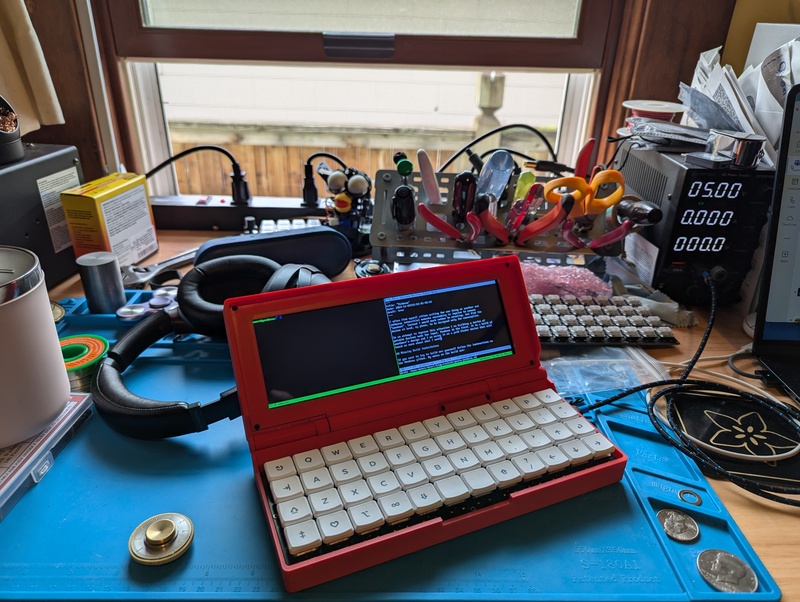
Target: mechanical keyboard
point(480, 465)
point(598, 320)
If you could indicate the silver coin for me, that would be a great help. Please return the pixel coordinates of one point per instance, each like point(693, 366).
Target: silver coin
point(725, 572)
point(678, 525)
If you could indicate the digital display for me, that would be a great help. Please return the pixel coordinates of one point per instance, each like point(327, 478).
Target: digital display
point(331, 350)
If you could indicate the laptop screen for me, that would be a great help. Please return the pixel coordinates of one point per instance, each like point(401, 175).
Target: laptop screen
point(779, 309)
point(356, 345)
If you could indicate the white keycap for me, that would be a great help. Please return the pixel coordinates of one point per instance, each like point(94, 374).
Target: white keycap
point(345, 472)
point(388, 439)
point(475, 435)
point(411, 475)
point(450, 442)
point(452, 489)
point(425, 449)
point(363, 446)
point(293, 511)
point(336, 453)
point(302, 537)
point(580, 426)
point(507, 407)
point(553, 458)
point(599, 445)
point(558, 432)
point(461, 419)
point(366, 517)
point(438, 425)
point(279, 469)
point(548, 396)
point(527, 402)
point(488, 453)
point(310, 460)
point(513, 445)
point(400, 456)
point(521, 423)
point(498, 428)
point(577, 452)
point(316, 480)
point(438, 467)
point(286, 489)
point(335, 527)
point(415, 431)
point(395, 507)
point(479, 482)
point(536, 439)
point(325, 502)
point(563, 410)
point(424, 498)
point(529, 465)
point(384, 483)
point(504, 473)
point(355, 493)
point(464, 460)
point(542, 416)
point(373, 464)
point(484, 413)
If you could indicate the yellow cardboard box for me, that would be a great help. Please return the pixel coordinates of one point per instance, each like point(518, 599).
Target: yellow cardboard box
point(113, 214)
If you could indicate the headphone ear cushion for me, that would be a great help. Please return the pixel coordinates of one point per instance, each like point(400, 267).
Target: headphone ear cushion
point(293, 275)
point(203, 290)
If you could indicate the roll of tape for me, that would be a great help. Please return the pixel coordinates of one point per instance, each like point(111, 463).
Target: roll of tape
point(82, 355)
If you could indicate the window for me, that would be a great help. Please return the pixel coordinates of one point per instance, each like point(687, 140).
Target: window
point(277, 83)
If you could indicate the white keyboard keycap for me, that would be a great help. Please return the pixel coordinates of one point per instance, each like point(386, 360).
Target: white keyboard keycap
point(504, 473)
point(438, 468)
point(373, 464)
point(527, 402)
point(452, 489)
point(599, 445)
point(302, 537)
point(513, 445)
point(335, 527)
point(415, 431)
point(479, 482)
point(316, 480)
point(553, 458)
point(411, 475)
point(542, 416)
point(438, 425)
point(563, 410)
point(336, 453)
point(366, 517)
point(384, 483)
point(548, 396)
point(488, 453)
point(475, 435)
point(395, 507)
point(461, 419)
point(484, 413)
point(325, 502)
point(537, 439)
point(577, 452)
point(310, 460)
point(505, 408)
point(345, 472)
point(558, 432)
point(294, 511)
point(498, 429)
point(580, 426)
point(464, 460)
point(279, 469)
point(521, 423)
point(400, 456)
point(355, 493)
point(425, 449)
point(424, 498)
point(388, 439)
point(529, 465)
point(286, 489)
point(363, 446)
point(450, 442)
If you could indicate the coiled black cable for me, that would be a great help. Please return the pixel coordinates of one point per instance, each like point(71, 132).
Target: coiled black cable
point(669, 427)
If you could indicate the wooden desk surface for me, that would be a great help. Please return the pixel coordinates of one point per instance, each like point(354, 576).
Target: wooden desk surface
point(772, 529)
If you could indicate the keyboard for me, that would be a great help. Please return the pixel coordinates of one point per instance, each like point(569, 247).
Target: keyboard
point(598, 320)
point(479, 465)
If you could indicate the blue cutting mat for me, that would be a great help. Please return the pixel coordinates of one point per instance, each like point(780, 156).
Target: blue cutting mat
point(68, 537)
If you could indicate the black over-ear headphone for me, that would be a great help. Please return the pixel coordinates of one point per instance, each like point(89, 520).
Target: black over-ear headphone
point(201, 295)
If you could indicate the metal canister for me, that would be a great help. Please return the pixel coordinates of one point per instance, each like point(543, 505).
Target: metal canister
point(743, 150)
point(35, 385)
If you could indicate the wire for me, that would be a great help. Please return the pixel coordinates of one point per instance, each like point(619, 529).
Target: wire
point(667, 422)
point(497, 130)
point(189, 151)
point(327, 156)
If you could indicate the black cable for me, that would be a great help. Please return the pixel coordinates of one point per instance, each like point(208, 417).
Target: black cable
point(327, 156)
point(739, 371)
point(541, 165)
point(240, 190)
point(497, 130)
point(678, 438)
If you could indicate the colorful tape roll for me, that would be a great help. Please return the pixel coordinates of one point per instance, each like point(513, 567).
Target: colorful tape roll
point(82, 355)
